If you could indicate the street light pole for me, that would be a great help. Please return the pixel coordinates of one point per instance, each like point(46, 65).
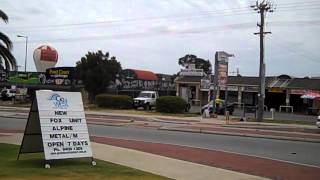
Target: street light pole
point(26, 54)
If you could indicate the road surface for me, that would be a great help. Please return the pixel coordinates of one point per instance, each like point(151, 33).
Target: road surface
point(292, 151)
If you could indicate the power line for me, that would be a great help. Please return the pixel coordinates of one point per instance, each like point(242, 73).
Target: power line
point(176, 16)
point(203, 14)
point(300, 52)
point(115, 25)
point(86, 27)
point(195, 30)
point(299, 2)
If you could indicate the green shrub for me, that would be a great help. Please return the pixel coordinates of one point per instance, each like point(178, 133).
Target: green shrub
point(114, 101)
point(170, 104)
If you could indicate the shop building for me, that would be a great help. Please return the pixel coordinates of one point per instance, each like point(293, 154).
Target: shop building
point(283, 93)
point(132, 81)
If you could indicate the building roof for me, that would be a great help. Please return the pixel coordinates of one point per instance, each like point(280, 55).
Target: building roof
point(248, 80)
point(271, 81)
point(145, 75)
point(243, 80)
point(304, 83)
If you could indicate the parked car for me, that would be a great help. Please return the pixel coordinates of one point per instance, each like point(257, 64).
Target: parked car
point(220, 107)
point(7, 94)
point(146, 99)
point(318, 121)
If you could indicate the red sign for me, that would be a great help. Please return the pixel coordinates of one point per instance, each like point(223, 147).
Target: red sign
point(48, 55)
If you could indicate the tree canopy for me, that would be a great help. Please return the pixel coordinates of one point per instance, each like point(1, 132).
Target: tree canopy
point(97, 70)
point(199, 63)
point(5, 48)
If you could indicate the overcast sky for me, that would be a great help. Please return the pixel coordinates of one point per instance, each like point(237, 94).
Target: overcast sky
point(153, 34)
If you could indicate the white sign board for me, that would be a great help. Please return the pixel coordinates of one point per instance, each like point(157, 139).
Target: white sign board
point(191, 72)
point(63, 125)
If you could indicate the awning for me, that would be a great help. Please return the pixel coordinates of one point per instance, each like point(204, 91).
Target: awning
point(311, 95)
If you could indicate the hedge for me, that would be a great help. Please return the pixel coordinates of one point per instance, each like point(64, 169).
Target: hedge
point(114, 101)
point(170, 104)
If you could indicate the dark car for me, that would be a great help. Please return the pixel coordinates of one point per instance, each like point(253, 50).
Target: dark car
point(220, 108)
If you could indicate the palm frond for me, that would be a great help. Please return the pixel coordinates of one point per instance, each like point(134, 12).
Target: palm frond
point(3, 16)
point(6, 40)
point(9, 59)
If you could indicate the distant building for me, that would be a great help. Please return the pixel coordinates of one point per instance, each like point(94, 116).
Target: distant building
point(132, 81)
point(280, 90)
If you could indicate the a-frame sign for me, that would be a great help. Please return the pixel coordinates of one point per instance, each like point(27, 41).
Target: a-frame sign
point(57, 126)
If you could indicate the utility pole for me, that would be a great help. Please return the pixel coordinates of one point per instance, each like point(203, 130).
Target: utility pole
point(262, 8)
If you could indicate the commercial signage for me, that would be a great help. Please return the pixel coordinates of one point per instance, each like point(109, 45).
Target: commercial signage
point(298, 91)
point(57, 126)
point(53, 76)
point(276, 90)
point(302, 91)
point(25, 78)
point(230, 88)
point(191, 72)
point(60, 75)
point(63, 125)
point(251, 88)
point(205, 84)
point(222, 74)
point(221, 68)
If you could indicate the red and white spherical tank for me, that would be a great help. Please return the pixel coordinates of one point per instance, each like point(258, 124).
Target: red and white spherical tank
point(45, 57)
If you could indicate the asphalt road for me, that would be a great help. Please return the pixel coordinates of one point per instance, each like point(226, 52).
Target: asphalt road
point(293, 151)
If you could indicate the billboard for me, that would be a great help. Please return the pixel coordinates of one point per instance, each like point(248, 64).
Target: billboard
point(60, 75)
point(63, 76)
point(25, 78)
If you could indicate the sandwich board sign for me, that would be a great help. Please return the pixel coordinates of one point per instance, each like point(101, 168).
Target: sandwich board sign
point(57, 126)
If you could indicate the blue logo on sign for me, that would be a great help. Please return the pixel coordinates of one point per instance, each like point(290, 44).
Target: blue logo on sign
point(58, 101)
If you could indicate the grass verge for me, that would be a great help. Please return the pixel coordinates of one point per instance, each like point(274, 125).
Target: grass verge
point(31, 166)
point(93, 107)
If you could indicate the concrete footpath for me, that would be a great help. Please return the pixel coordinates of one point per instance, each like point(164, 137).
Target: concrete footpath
point(156, 164)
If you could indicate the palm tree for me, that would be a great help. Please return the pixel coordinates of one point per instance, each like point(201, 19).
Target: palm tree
point(5, 48)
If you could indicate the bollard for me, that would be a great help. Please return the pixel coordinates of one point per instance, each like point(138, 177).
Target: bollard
point(227, 117)
point(272, 113)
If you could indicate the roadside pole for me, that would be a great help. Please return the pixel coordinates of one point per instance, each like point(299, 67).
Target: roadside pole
point(262, 8)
